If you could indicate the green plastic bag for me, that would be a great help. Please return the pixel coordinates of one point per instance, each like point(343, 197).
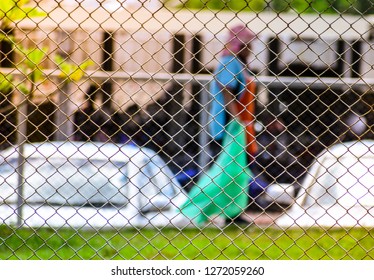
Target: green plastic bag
point(223, 189)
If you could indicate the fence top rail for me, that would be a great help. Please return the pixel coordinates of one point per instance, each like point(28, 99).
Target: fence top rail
point(366, 84)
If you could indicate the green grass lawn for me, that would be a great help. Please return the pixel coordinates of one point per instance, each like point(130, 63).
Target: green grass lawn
point(210, 243)
point(168, 243)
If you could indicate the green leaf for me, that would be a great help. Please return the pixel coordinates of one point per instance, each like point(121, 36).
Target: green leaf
point(6, 84)
point(14, 10)
point(23, 88)
point(33, 57)
point(31, 64)
point(71, 71)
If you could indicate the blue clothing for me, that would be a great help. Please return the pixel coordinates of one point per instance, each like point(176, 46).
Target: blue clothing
point(230, 73)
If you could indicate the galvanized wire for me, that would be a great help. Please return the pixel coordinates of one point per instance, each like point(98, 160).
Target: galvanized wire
point(144, 103)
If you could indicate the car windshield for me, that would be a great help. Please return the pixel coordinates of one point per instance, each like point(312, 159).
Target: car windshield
point(77, 182)
point(347, 181)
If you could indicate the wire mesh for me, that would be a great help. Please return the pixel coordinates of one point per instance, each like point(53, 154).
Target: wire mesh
point(108, 112)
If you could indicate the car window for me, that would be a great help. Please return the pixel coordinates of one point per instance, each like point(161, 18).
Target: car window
point(80, 182)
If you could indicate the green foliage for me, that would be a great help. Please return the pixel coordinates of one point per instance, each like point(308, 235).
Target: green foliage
point(12, 11)
point(280, 5)
point(32, 59)
point(319, 6)
point(5, 83)
point(257, 5)
point(238, 5)
point(69, 71)
point(31, 64)
point(299, 6)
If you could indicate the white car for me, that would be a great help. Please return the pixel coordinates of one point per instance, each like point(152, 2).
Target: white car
point(79, 184)
point(338, 190)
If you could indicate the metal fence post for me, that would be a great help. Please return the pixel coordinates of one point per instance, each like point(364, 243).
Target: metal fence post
point(204, 157)
point(22, 117)
point(64, 114)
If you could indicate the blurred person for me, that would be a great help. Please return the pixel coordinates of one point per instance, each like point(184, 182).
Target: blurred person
point(222, 191)
point(232, 89)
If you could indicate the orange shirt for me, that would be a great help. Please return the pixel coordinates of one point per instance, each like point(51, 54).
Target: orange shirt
point(246, 107)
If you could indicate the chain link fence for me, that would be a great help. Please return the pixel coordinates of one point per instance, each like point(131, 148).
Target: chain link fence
point(107, 149)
